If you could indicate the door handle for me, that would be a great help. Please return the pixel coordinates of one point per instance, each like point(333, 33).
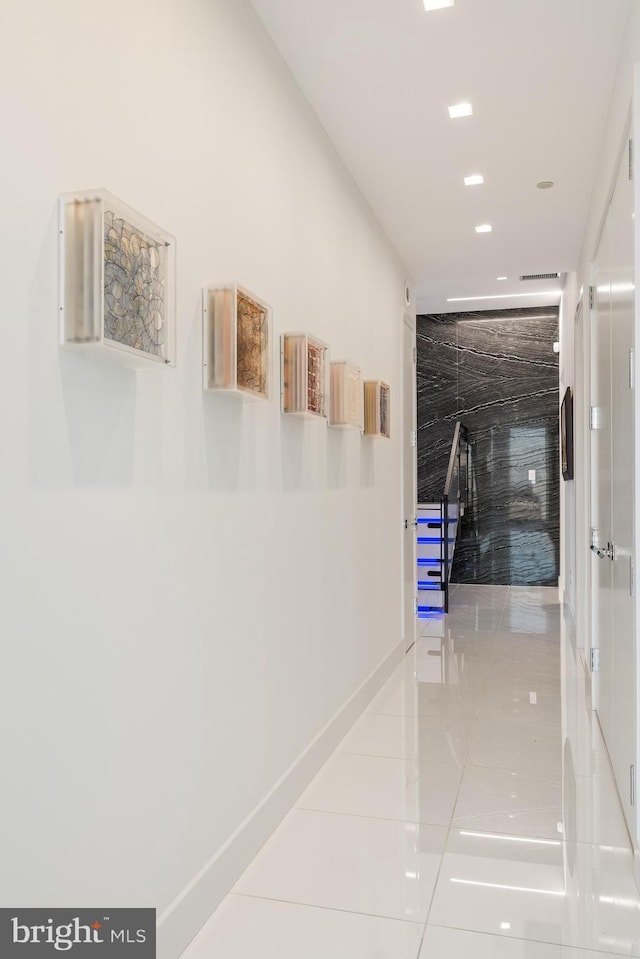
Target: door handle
point(607, 552)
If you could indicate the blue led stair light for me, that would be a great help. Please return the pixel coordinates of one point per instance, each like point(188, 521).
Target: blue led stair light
point(423, 540)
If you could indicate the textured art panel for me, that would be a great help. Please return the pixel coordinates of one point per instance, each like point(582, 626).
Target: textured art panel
point(305, 375)
point(316, 378)
point(236, 332)
point(253, 340)
point(498, 374)
point(377, 414)
point(135, 270)
point(385, 426)
point(117, 285)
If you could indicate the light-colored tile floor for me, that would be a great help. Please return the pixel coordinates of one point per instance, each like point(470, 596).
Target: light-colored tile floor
point(471, 811)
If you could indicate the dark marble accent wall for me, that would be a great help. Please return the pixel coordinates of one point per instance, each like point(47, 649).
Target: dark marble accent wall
point(498, 374)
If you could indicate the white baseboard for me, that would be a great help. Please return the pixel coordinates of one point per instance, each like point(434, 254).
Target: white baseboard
point(189, 911)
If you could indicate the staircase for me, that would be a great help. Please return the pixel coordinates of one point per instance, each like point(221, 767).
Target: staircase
point(437, 526)
point(435, 556)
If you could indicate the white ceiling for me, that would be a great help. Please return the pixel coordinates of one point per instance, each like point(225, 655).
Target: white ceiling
point(539, 73)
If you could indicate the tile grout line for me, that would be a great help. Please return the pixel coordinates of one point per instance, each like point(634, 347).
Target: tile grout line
point(355, 815)
point(441, 863)
point(404, 759)
point(312, 905)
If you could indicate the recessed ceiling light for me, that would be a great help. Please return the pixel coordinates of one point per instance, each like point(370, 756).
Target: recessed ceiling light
point(437, 4)
point(501, 278)
point(484, 228)
point(545, 184)
point(501, 296)
point(474, 180)
point(460, 110)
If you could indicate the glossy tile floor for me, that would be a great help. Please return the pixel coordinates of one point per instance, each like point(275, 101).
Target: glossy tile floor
point(471, 812)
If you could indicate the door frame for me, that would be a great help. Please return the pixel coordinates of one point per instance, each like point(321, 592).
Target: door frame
point(409, 477)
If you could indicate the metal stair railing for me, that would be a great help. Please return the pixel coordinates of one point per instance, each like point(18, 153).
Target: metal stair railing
point(456, 489)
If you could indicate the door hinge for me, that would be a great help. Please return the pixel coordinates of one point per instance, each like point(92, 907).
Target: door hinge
point(414, 354)
point(632, 785)
point(596, 417)
point(413, 438)
point(594, 660)
point(631, 159)
point(415, 606)
point(632, 375)
point(592, 297)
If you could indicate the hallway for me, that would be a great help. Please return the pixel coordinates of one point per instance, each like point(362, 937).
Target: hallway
point(471, 811)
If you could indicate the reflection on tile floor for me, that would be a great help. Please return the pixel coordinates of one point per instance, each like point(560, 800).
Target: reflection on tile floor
point(471, 811)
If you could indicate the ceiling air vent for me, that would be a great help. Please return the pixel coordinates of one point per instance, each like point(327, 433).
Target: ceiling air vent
point(540, 276)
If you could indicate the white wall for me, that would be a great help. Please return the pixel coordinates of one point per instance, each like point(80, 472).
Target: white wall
point(191, 588)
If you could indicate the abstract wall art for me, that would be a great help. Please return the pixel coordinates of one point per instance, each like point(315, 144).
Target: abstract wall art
point(377, 412)
point(304, 373)
point(347, 396)
point(566, 434)
point(236, 327)
point(117, 281)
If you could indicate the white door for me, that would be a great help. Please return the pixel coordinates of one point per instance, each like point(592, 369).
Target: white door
point(409, 488)
point(613, 484)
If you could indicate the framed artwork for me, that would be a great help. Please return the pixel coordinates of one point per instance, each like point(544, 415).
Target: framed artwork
point(566, 435)
point(347, 396)
point(236, 332)
point(377, 413)
point(117, 281)
point(305, 375)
